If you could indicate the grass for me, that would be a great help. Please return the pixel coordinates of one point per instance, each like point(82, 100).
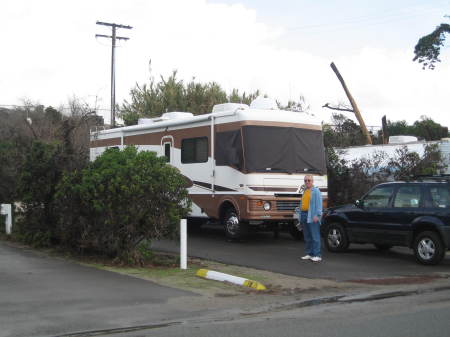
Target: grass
point(186, 279)
point(163, 268)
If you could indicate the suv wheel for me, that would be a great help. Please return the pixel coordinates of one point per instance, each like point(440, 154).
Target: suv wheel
point(428, 248)
point(234, 228)
point(336, 238)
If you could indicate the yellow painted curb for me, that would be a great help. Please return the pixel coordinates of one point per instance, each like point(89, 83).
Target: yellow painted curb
point(255, 285)
point(217, 276)
point(202, 273)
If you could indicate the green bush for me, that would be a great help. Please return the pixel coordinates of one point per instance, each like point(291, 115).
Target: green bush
point(350, 180)
point(38, 179)
point(119, 200)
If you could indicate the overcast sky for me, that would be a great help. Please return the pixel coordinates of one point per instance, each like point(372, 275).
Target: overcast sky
point(284, 48)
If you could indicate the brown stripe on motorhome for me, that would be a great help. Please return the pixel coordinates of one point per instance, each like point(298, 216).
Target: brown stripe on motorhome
point(154, 138)
point(210, 204)
point(149, 138)
point(244, 205)
point(273, 189)
point(105, 142)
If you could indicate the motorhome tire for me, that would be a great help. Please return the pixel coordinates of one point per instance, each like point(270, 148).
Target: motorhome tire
point(234, 227)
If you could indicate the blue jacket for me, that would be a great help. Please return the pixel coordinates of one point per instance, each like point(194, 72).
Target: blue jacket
point(315, 205)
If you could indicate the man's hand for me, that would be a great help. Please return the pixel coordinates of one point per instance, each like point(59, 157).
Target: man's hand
point(315, 218)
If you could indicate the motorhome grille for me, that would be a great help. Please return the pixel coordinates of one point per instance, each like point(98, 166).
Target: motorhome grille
point(287, 205)
point(286, 195)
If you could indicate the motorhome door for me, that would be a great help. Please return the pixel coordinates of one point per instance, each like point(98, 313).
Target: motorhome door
point(166, 148)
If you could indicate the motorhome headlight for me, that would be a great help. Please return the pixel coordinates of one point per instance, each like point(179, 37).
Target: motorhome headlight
point(267, 206)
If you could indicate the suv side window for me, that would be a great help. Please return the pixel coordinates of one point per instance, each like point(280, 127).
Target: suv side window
point(407, 196)
point(440, 196)
point(379, 197)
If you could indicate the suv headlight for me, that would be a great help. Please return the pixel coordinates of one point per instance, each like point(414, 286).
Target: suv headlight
point(267, 206)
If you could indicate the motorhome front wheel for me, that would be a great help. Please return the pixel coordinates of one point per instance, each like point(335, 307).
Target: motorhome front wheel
point(234, 228)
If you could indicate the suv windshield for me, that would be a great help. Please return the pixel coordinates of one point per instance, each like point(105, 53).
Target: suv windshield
point(283, 149)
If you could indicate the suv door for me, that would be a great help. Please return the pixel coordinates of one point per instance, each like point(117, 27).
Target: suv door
point(406, 206)
point(437, 201)
point(365, 222)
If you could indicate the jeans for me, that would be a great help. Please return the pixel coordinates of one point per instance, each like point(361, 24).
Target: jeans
point(311, 234)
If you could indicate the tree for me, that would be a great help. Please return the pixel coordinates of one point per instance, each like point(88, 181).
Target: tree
point(428, 48)
point(299, 106)
point(429, 130)
point(348, 180)
point(172, 94)
point(425, 128)
point(21, 126)
point(342, 132)
point(120, 200)
point(37, 182)
point(406, 164)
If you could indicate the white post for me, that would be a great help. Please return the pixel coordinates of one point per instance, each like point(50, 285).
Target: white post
point(6, 209)
point(183, 244)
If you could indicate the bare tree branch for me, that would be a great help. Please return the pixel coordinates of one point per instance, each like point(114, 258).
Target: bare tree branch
point(327, 105)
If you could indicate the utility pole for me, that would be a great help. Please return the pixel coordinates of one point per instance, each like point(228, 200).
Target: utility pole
point(113, 38)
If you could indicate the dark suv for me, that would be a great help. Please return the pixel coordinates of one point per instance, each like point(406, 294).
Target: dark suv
point(412, 214)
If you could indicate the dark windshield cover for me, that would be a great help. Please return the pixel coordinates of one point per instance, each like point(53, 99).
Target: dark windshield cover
point(283, 149)
point(229, 149)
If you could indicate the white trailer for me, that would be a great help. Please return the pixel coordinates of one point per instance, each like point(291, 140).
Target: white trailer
point(245, 164)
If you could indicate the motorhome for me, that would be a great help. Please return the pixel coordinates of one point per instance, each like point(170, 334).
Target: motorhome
point(245, 164)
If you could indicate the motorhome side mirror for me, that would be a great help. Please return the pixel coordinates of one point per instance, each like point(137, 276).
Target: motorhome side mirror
point(359, 203)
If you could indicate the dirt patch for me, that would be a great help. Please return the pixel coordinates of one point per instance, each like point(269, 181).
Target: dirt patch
point(276, 284)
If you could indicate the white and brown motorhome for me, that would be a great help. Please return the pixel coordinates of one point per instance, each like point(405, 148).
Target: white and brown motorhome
point(245, 164)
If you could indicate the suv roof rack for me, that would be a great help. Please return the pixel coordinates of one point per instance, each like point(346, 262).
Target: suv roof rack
point(436, 177)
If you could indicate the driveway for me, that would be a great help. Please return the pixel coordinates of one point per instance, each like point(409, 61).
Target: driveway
point(282, 255)
point(46, 296)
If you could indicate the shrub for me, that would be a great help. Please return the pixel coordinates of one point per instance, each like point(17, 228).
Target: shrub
point(407, 164)
point(36, 190)
point(350, 180)
point(119, 200)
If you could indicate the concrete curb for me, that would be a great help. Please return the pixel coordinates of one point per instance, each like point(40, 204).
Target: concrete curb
point(217, 276)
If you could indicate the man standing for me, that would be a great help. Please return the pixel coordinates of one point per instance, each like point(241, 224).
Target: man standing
point(309, 217)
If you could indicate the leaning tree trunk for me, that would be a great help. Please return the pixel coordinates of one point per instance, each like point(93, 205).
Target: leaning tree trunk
point(353, 103)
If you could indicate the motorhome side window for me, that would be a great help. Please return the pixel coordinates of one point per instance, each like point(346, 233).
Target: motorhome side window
point(194, 150)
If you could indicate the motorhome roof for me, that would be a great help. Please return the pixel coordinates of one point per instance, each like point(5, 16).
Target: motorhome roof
point(239, 114)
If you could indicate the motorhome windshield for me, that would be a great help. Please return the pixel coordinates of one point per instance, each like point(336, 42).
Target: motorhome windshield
point(283, 149)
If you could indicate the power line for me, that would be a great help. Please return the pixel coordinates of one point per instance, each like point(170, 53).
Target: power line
point(113, 38)
point(367, 20)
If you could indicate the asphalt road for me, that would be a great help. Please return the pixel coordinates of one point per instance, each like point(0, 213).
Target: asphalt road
point(47, 296)
point(282, 255)
point(425, 315)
